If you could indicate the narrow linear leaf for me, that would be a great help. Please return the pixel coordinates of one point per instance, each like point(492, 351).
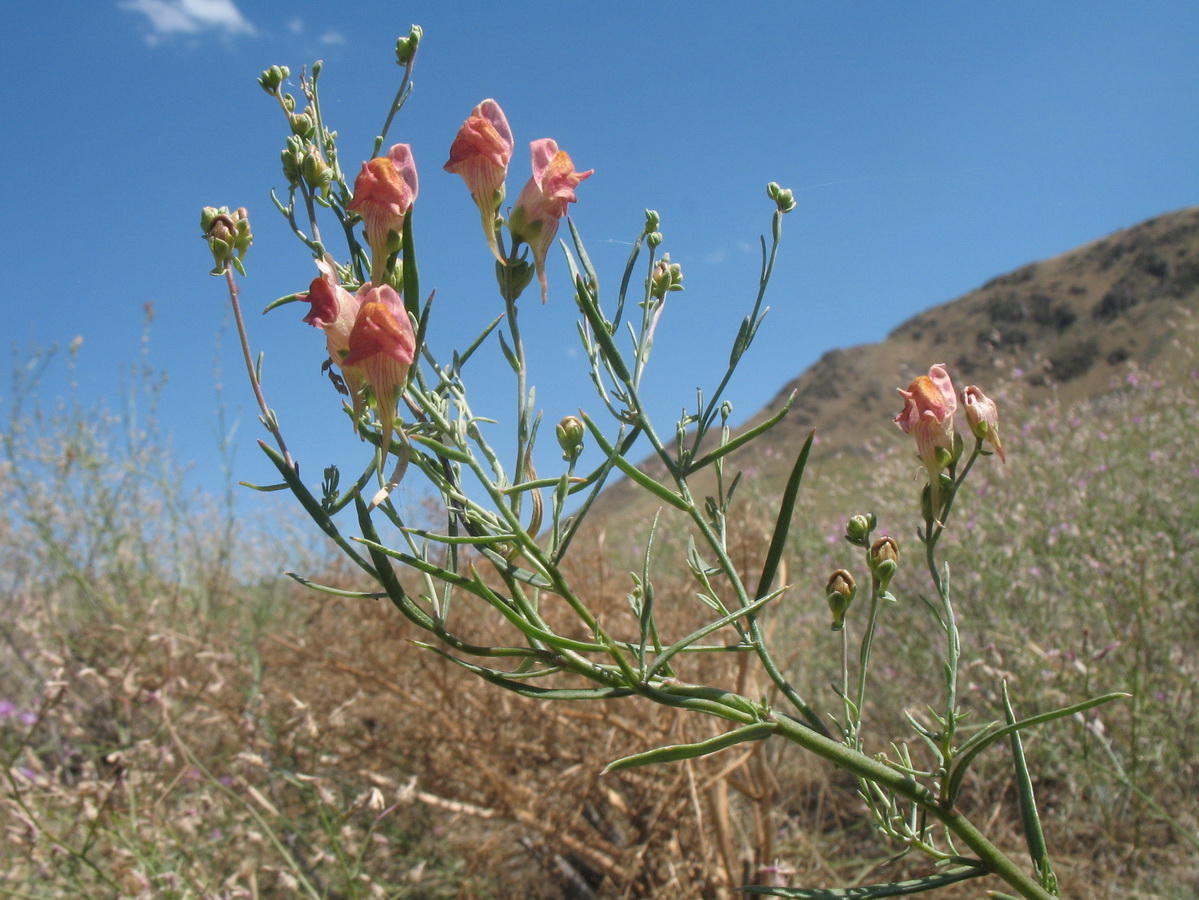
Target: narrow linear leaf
point(440, 449)
point(584, 259)
point(336, 592)
point(1030, 819)
point(507, 682)
point(756, 732)
point(703, 632)
point(385, 574)
point(778, 540)
point(599, 328)
point(977, 746)
point(469, 351)
point(312, 506)
point(411, 276)
point(861, 892)
point(740, 441)
point(661, 491)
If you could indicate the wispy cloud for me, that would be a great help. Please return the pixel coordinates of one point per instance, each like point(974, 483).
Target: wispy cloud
point(333, 37)
point(168, 18)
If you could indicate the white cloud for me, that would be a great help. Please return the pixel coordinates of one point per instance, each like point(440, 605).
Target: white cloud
point(333, 37)
point(171, 17)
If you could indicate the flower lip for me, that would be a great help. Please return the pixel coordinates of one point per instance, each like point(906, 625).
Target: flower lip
point(484, 135)
point(384, 191)
point(480, 154)
point(543, 201)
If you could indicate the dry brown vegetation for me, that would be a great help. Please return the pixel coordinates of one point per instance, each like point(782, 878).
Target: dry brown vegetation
point(175, 727)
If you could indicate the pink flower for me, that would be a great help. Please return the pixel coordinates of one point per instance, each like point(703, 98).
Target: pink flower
point(543, 201)
point(368, 336)
point(983, 417)
point(384, 191)
point(382, 345)
point(928, 408)
point(334, 310)
point(480, 154)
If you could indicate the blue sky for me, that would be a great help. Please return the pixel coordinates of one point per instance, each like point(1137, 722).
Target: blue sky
point(930, 147)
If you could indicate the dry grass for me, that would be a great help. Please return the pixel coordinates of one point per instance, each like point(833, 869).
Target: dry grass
point(174, 727)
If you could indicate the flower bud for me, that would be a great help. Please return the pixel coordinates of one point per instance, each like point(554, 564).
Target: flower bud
point(840, 592)
point(570, 433)
point(665, 277)
point(652, 220)
point(783, 198)
point(271, 78)
point(301, 124)
point(654, 238)
point(228, 235)
point(884, 560)
point(292, 158)
point(406, 47)
point(316, 172)
point(858, 528)
point(289, 103)
point(982, 415)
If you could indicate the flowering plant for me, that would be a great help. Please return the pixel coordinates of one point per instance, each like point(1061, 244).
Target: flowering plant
point(508, 530)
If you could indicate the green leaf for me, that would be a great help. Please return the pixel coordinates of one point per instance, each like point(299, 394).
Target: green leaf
point(312, 506)
point(411, 275)
point(778, 541)
point(661, 491)
point(985, 738)
point(740, 441)
point(1030, 819)
point(755, 732)
point(861, 892)
point(703, 632)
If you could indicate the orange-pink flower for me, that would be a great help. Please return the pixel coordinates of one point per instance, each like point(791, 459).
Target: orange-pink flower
point(543, 201)
point(334, 310)
point(982, 415)
point(480, 154)
point(382, 345)
point(370, 338)
point(384, 191)
point(927, 414)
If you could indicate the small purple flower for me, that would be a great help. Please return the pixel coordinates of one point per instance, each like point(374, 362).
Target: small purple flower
point(7, 708)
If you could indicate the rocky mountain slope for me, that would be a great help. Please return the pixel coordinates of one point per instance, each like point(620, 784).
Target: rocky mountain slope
point(1071, 326)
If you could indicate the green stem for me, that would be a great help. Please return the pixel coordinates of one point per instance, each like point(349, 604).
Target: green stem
point(859, 764)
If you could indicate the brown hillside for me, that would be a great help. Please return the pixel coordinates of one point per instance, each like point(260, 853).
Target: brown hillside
point(1071, 325)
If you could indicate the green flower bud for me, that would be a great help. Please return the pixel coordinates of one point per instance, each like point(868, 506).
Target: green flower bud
point(228, 235)
point(271, 78)
point(652, 220)
point(858, 528)
point(406, 47)
point(513, 278)
point(840, 592)
point(570, 433)
point(302, 124)
point(292, 158)
point(654, 238)
point(316, 172)
point(289, 103)
point(783, 198)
